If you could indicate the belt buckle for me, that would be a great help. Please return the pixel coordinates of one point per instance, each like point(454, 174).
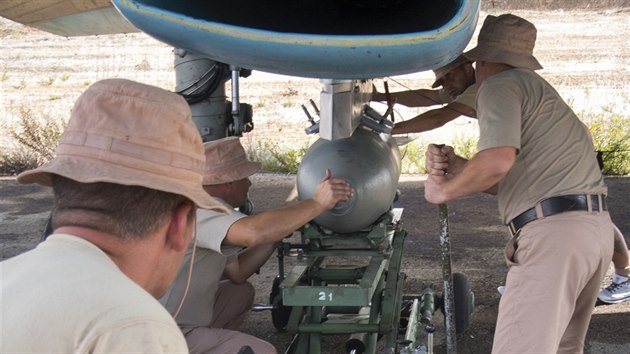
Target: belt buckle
point(598, 203)
point(601, 203)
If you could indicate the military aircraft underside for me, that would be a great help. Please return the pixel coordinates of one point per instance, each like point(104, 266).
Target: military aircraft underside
point(345, 44)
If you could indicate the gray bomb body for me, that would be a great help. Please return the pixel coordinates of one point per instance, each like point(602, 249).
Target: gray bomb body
point(371, 166)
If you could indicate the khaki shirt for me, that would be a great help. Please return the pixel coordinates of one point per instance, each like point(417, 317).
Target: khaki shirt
point(210, 260)
point(469, 97)
point(68, 296)
point(518, 108)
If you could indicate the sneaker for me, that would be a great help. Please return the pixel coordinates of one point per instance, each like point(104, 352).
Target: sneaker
point(501, 290)
point(617, 291)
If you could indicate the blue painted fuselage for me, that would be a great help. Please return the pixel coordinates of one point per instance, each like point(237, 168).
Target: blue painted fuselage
point(332, 39)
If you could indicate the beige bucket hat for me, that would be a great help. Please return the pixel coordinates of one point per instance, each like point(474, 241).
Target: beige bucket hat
point(130, 133)
point(506, 39)
point(442, 71)
point(226, 161)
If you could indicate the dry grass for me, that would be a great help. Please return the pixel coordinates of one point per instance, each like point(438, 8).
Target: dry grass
point(584, 53)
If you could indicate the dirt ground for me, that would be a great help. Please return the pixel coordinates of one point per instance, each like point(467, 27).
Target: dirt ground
point(585, 55)
point(477, 244)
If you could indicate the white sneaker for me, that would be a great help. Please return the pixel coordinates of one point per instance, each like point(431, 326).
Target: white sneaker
point(617, 291)
point(501, 290)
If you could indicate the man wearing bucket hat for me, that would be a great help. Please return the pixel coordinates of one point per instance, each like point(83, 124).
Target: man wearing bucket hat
point(537, 156)
point(210, 310)
point(458, 94)
point(126, 181)
point(456, 75)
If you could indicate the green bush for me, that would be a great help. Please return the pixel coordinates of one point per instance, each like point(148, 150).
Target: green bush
point(465, 146)
point(39, 134)
point(15, 161)
point(412, 158)
point(611, 135)
point(275, 159)
point(35, 138)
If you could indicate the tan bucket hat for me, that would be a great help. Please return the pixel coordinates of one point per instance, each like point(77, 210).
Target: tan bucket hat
point(226, 161)
point(130, 133)
point(506, 39)
point(442, 71)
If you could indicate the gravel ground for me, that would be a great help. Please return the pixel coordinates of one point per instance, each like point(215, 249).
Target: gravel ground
point(477, 249)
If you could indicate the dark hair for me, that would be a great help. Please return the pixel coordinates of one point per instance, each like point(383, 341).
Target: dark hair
point(125, 211)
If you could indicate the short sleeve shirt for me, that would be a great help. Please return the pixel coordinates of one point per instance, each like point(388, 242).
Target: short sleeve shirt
point(518, 108)
point(469, 96)
point(210, 259)
point(68, 296)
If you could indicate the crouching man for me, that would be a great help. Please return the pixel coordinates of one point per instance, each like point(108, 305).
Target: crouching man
point(232, 247)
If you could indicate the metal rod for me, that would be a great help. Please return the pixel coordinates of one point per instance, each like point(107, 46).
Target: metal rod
point(262, 307)
point(338, 328)
point(356, 342)
point(430, 343)
point(447, 276)
point(235, 98)
point(308, 115)
point(412, 324)
point(390, 110)
point(237, 128)
point(390, 104)
point(314, 106)
point(390, 318)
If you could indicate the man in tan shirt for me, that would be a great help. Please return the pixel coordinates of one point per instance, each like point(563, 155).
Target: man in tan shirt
point(458, 95)
point(211, 305)
point(537, 157)
point(124, 200)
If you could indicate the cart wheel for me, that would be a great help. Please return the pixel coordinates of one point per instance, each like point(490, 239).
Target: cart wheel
point(464, 302)
point(280, 313)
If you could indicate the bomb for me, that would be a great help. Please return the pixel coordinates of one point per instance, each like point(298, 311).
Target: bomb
point(370, 162)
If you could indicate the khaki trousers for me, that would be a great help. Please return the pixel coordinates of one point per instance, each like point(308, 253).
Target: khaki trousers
point(556, 265)
point(233, 302)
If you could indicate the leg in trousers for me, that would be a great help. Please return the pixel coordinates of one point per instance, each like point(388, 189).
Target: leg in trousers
point(232, 303)
point(552, 268)
point(573, 338)
point(204, 340)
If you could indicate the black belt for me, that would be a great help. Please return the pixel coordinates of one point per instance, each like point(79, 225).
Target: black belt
point(557, 205)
